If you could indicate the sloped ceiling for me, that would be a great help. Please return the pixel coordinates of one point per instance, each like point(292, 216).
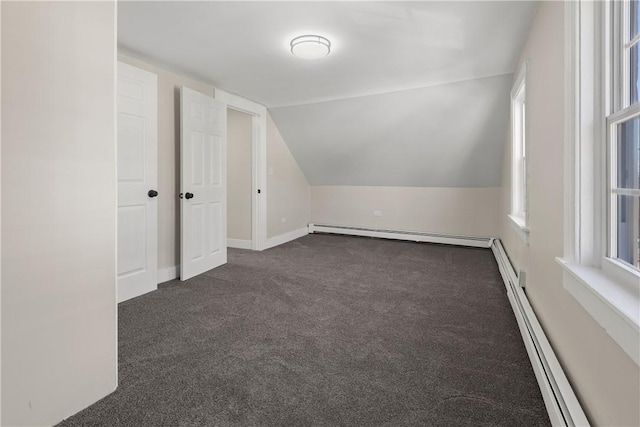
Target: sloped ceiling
point(447, 135)
point(413, 93)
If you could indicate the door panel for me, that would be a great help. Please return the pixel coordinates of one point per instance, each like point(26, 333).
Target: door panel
point(132, 257)
point(137, 174)
point(215, 215)
point(203, 169)
point(197, 236)
point(197, 160)
point(215, 167)
point(131, 152)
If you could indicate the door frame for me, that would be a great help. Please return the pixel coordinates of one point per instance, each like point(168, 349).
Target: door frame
point(258, 115)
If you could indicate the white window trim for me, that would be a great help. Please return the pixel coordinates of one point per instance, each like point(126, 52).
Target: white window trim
point(609, 292)
point(519, 218)
point(612, 304)
point(520, 227)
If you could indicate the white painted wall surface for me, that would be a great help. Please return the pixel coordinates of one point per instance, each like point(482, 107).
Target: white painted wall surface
point(168, 157)
point(239, 174)
point(459, 211)
point(59, 351)
point(605, 379)
point(288, 192)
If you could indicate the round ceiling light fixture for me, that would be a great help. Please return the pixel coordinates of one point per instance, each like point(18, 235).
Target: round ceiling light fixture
point(310, 47)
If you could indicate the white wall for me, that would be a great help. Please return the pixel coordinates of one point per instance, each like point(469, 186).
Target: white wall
point(168, 157)
point(288, 192)
point(460, 211)
point(606, 380)
point(59, 351)
point(239, 174)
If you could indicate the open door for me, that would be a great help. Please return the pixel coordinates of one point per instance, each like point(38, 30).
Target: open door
point(137, 182)
point(203, 183)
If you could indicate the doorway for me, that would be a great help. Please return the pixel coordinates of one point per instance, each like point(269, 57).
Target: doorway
point(249, 202)
point(239, 177)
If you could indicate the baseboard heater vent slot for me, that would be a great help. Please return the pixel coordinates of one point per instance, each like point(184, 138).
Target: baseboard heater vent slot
point(413, 236)
point(562, 404)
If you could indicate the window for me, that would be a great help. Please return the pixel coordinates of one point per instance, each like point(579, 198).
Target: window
point(623, 128)
point(519, 181)
point(601, 265)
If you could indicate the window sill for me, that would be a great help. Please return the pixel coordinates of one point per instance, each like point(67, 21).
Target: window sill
point(519, 225)
point(612, 303)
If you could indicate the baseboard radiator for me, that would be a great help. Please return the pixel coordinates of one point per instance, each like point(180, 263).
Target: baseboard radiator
point(562, 404)
point(412, 236)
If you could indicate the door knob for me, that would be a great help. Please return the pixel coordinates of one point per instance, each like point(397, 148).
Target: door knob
point(152, 193)
point(189, 196)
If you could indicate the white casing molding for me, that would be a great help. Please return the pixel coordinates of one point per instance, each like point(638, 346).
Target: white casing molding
point(239, 244)
point(612, 303)
point(412, 236)
point(286, 237)
point(258, 113)
point(520, 228)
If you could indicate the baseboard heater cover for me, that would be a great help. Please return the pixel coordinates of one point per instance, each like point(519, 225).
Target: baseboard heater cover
point(412, 236)
point(562, 405)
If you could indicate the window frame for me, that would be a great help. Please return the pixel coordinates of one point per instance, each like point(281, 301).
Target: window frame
point(519, 210)
point(618, 110)
point(610, 252)
point(607, 290)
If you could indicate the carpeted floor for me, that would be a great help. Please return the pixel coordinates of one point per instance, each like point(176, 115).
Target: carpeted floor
point(328, 331)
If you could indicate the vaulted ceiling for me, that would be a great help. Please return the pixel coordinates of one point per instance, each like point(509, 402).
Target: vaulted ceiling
point(447, 135)
point(413, 93)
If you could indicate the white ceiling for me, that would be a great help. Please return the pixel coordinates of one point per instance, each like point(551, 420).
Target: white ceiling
point(242, 47)
point(412, 94)
point(447, 135)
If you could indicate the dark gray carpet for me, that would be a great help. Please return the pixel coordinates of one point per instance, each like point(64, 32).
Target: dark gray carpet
point(328, 331)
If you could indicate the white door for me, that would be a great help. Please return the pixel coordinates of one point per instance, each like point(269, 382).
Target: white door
point(137, 182)
point(203, 204)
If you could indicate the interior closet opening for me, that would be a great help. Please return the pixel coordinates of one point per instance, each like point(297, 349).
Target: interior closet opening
point(239, 179)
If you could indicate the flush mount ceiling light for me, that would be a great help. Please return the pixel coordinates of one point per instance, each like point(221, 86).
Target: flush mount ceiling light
point(310, 47)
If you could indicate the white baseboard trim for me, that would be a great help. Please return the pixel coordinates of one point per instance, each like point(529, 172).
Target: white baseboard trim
point(562, 405)
point(286, 237)
point(166, 274)
point(412, 236)
point(239, 244)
